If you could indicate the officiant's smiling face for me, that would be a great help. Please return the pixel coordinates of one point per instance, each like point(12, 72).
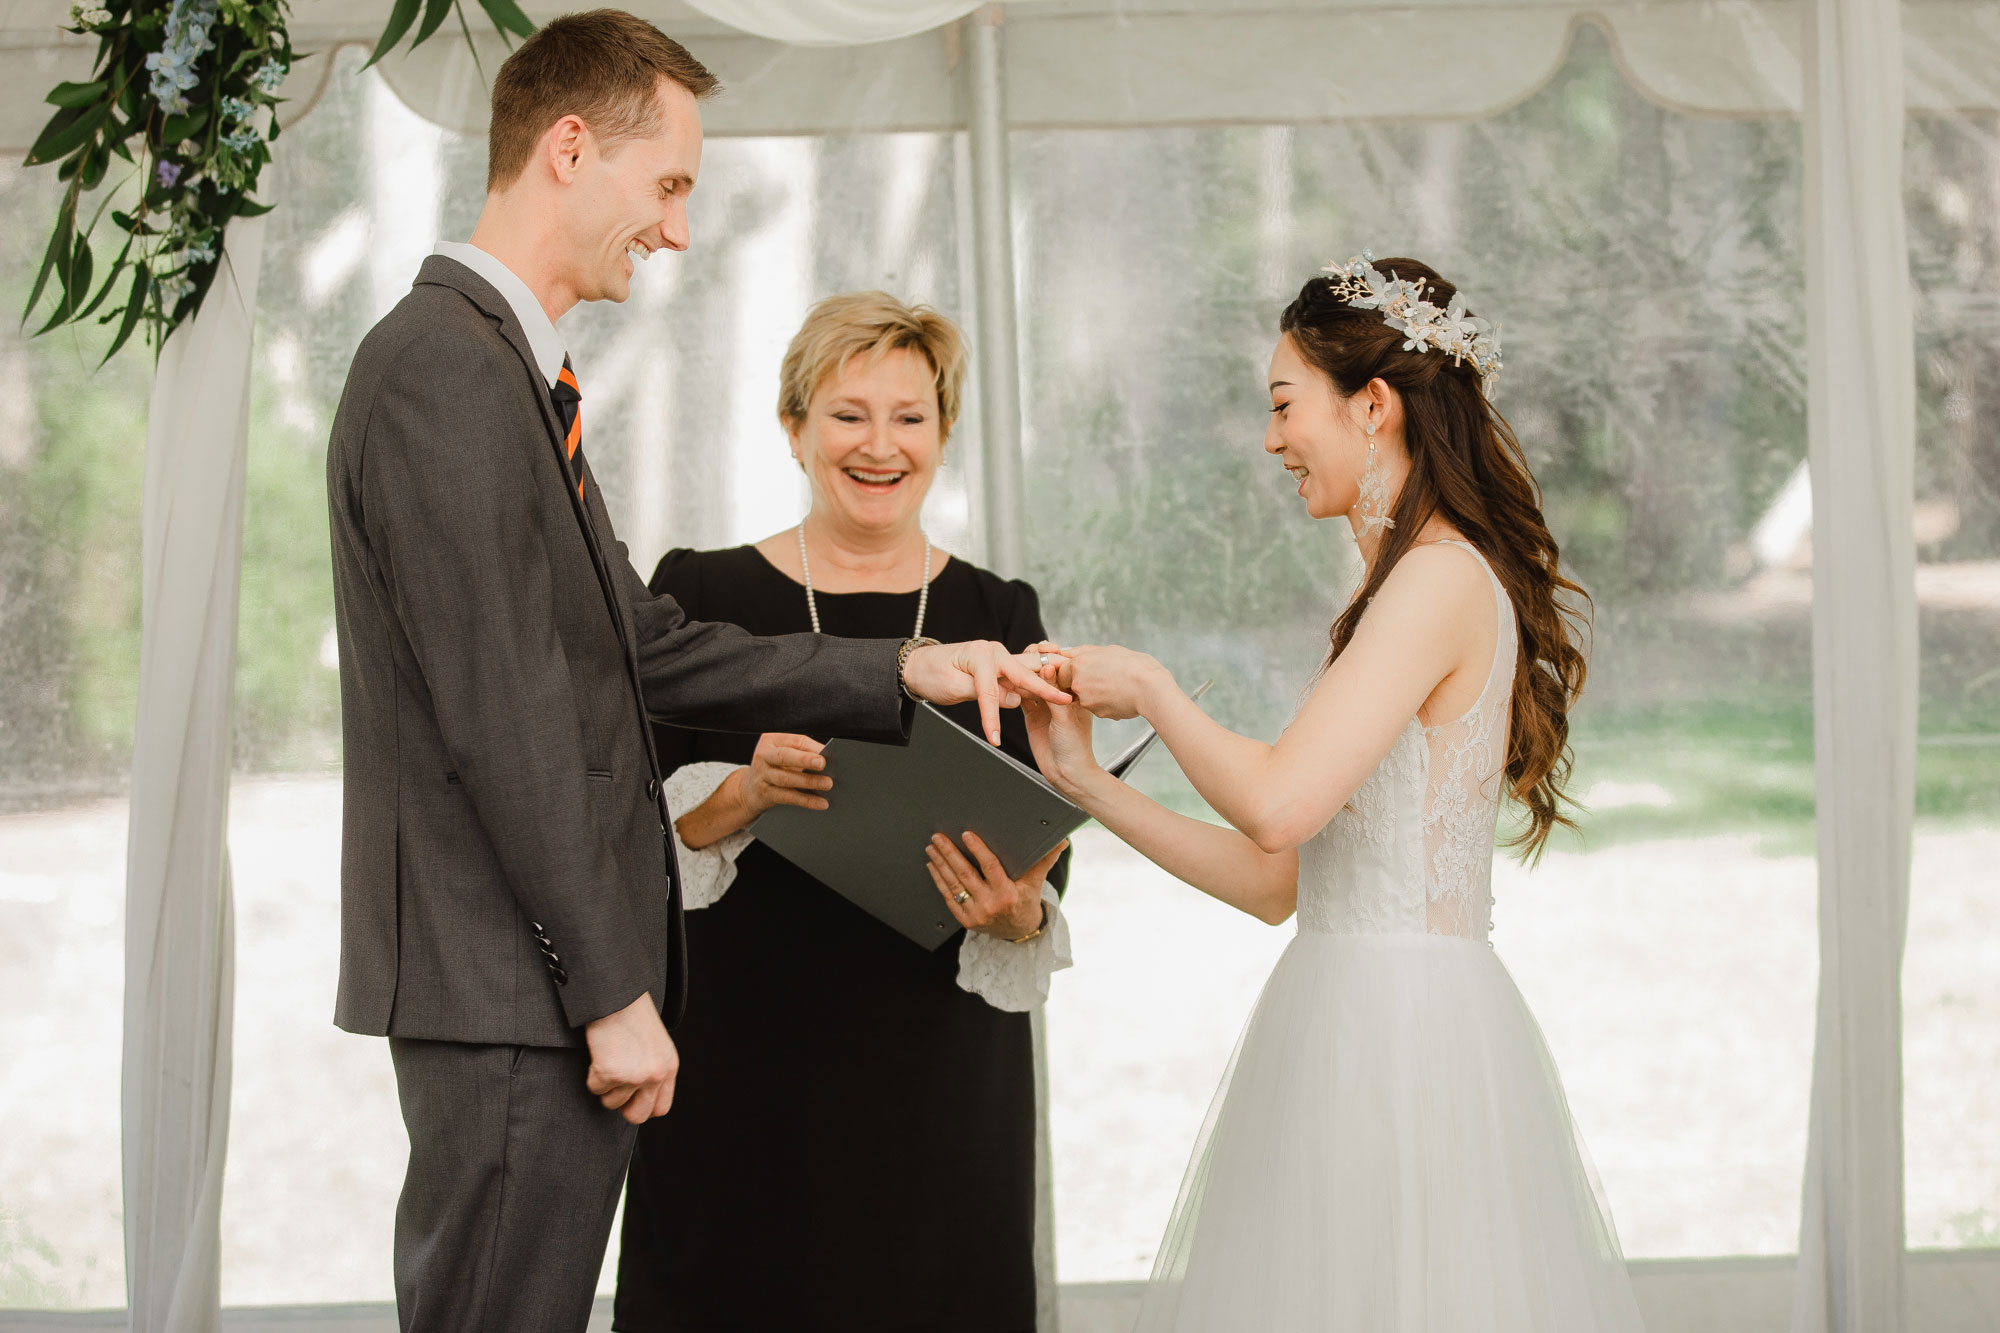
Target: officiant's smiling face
point(1316, 434)
point(871, 440)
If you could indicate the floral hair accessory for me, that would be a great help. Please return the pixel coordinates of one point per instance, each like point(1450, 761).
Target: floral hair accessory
point(1461, 336)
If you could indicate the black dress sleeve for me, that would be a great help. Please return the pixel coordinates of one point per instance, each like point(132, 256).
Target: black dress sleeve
point(678, 575)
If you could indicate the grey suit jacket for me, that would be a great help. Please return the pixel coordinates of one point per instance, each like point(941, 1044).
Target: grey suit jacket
point(505, 874)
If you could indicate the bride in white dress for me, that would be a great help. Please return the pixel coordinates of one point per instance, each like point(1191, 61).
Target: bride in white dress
point(1390, 1151)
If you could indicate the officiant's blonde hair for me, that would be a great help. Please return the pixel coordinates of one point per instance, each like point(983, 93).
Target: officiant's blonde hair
point(871, 325)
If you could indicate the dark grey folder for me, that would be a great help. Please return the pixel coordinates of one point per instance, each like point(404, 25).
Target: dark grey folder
point(887, 801)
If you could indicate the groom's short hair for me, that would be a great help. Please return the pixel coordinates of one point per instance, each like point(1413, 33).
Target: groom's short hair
point(603, 67)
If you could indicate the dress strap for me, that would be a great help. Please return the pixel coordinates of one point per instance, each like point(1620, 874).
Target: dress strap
point(1504, 640)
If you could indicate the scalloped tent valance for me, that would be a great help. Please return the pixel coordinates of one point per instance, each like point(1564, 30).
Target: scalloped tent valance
point(1095, 63)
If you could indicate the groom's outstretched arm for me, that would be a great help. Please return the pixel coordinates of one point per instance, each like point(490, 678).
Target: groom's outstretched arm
point(719, 677)
point(454, 521)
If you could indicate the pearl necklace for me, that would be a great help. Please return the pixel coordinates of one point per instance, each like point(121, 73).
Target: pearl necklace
point(812, 603)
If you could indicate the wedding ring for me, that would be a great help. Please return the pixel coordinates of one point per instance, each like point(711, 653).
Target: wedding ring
point(960, 897)
point(1044, 661)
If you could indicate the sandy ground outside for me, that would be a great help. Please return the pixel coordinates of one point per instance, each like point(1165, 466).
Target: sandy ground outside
point(1674, 981)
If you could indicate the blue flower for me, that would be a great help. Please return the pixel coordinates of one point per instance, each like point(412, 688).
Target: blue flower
point(173, 65)
point(270, 74)
point(242, 139)
point(237, 108)
point(168, 174)
point(173, 289)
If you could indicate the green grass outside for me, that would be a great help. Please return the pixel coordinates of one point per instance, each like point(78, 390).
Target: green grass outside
point(1735, 768)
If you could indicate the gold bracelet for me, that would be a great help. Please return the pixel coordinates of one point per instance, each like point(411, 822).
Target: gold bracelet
point(1037, 930)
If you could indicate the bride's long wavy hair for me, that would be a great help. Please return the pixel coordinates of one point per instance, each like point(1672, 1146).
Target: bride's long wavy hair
point(1466, 466)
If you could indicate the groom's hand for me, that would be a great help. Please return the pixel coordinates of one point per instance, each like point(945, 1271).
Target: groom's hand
point(633, 1062)
point(950, 673)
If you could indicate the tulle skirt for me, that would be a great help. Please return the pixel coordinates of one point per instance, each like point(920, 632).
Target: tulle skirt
point(1390, 1152)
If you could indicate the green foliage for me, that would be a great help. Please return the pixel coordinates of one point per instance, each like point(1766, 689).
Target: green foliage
point(30, 1270)
point(287, 707)
point(1978, 1229)
point(185, 94)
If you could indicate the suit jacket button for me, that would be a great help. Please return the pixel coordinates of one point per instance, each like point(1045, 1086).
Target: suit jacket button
point(562, 977)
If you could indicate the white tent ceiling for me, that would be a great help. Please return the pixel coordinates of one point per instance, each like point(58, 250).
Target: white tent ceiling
point(1146, 62)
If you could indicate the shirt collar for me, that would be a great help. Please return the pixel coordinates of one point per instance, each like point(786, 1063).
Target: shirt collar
point(543, 339)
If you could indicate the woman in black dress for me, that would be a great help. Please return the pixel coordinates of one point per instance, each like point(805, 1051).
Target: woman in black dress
point(852, 1142)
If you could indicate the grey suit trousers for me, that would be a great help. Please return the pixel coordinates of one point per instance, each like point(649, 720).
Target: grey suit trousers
point(515, 1173)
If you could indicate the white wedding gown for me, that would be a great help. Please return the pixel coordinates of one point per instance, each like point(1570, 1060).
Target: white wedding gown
point(1390, 1150)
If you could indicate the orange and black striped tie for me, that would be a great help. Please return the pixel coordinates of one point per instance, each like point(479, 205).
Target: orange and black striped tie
point(569, 409)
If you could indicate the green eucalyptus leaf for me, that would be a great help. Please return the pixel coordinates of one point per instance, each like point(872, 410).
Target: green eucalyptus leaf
point(176, 128)
point(63, 311)
point(435, 13)
point(135, 306)
point(507, 17)
point(96, 161)
point(66, 129)
point(400, 19)
point(76, 277)
point(59, 246)
point(77, 94)
point(104, 289)
point(247, 209)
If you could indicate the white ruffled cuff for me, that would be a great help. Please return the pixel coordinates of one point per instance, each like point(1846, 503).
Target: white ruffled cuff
point(706, 872)
point(1015, 977)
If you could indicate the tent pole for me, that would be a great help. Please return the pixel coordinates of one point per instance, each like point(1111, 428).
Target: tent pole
point(1000, 439)
point(993, 249)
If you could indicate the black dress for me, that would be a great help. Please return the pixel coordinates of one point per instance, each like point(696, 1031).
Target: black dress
point(852, 1141)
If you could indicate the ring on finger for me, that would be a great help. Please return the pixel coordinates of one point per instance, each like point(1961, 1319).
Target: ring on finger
point(960, 897)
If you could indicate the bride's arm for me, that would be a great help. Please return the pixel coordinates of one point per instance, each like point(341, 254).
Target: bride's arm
point(1420, 626)
point(1219, 861)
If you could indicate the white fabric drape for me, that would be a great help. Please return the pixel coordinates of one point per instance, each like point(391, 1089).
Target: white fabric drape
point(179, 923)
point(835, 22)
point(1861, 415)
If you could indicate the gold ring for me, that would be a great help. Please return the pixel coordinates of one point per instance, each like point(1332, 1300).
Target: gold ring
point(960, 897)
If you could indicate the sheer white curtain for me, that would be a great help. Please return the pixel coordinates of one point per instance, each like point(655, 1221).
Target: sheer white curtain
point(179, 932)
point(1861, 418)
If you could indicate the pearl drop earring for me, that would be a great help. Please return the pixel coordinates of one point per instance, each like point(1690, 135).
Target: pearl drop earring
point(1373, 499)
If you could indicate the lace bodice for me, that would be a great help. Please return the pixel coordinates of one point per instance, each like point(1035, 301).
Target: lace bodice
point(1412, 853)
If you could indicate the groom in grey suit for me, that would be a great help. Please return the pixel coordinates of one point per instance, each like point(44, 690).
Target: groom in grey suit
point(510, 911)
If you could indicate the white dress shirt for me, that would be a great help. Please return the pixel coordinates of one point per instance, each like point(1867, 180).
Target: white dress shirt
point(543, 340)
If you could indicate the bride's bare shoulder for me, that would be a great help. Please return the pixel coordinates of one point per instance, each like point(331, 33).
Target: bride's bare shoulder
point(1438, 573)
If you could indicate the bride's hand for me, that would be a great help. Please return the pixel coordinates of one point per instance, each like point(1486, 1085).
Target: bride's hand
point(1110, 681)
point(1059, 734)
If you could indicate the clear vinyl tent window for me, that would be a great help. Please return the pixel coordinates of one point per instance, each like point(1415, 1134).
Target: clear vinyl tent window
point(71, 462)
point(1647, 267)
point(1951, 967)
